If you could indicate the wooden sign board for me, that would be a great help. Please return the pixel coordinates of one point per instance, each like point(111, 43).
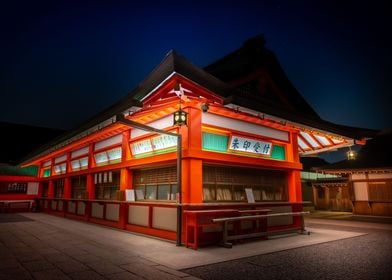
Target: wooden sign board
point(129, 195)
point(249, 195)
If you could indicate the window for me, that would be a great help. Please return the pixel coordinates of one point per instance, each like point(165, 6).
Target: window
point(107, 184)
point(109, 156)
point(60, 168)
point(45, 189)
point(79, 164)
point(46, 172)
point(229, 184)
point(59, 188)
point(79, 185)
point(155, 184)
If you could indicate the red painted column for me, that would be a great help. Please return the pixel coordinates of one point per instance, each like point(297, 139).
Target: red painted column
point(294, 176)
point(90, 186)
point(294, 153)
point(125, 184)
point(40, 190)
point(91, 159)
point(295, 186)
point(192, 185)
point(192, 170)
point(125, 179)
point(126, 151)
point(67, 188)
point(51, 189)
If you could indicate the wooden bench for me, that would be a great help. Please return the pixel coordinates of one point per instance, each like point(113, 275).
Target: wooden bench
point(225, 221)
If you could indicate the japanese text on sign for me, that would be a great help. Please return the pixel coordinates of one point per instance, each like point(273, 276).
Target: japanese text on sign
point(250, 145)
point(154, 144)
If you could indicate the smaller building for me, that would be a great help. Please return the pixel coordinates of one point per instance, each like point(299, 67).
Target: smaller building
point(369, 177)
point(324, 191)
point(18, 188)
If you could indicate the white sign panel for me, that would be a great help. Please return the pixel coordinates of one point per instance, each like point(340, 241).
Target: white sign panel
point(32, 188)
point(130, 195)
point(249, 195)
point(154, 144)
point(163, 142)
point(248, 145)
point(141, 147)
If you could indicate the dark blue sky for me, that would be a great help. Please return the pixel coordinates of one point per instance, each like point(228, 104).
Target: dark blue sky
point(63, 61)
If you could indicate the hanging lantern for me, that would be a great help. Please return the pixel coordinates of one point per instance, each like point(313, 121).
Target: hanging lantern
point(351, 155)
point(180, 118)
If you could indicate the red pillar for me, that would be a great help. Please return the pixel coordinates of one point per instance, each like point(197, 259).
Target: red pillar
point(192, 185)
point(125, 179)
point(67, 188)
point(126, 151)
point(91, 159)
point(192, 169)
point(90, 186)
point(51, 189)
point(125, 183)
point(295, 186)
point(294, 176)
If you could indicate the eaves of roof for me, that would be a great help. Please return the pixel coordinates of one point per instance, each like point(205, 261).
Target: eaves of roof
point(375, 155)
point(310, 121)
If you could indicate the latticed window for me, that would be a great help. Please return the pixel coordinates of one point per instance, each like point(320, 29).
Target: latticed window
point(45, 189)
point(155, 184)
point(59, 188)
point(229, 184)
point(79, 185)
point(107, 184)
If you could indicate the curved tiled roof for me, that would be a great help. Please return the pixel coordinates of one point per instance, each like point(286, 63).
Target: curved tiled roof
point(216, 78)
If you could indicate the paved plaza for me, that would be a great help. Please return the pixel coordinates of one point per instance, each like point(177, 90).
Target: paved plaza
point(41, 246)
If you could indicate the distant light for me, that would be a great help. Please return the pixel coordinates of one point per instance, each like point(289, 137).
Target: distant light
point(351, 155)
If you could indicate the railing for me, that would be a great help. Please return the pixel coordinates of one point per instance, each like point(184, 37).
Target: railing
point(12, 206)
point(160, 218)
point(157, 219)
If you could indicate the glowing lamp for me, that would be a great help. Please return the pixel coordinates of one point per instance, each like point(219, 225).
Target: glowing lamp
point(351, 155)
point(180, 118)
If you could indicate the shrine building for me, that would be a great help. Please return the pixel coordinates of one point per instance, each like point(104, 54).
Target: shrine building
point(225, 137)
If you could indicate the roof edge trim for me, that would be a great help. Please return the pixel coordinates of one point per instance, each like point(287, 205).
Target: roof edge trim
point(158, 86)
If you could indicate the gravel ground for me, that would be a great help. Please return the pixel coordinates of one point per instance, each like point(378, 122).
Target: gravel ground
point(364, 257)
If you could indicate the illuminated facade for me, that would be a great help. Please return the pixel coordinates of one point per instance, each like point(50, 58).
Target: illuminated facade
point(246, 129)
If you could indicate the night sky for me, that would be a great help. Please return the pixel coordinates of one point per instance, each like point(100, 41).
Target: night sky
point(62, 62)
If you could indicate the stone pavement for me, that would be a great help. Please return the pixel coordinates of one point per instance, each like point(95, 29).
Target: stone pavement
point(41, 246)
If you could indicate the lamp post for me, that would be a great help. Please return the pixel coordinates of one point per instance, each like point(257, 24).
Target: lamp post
point(180, 118)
